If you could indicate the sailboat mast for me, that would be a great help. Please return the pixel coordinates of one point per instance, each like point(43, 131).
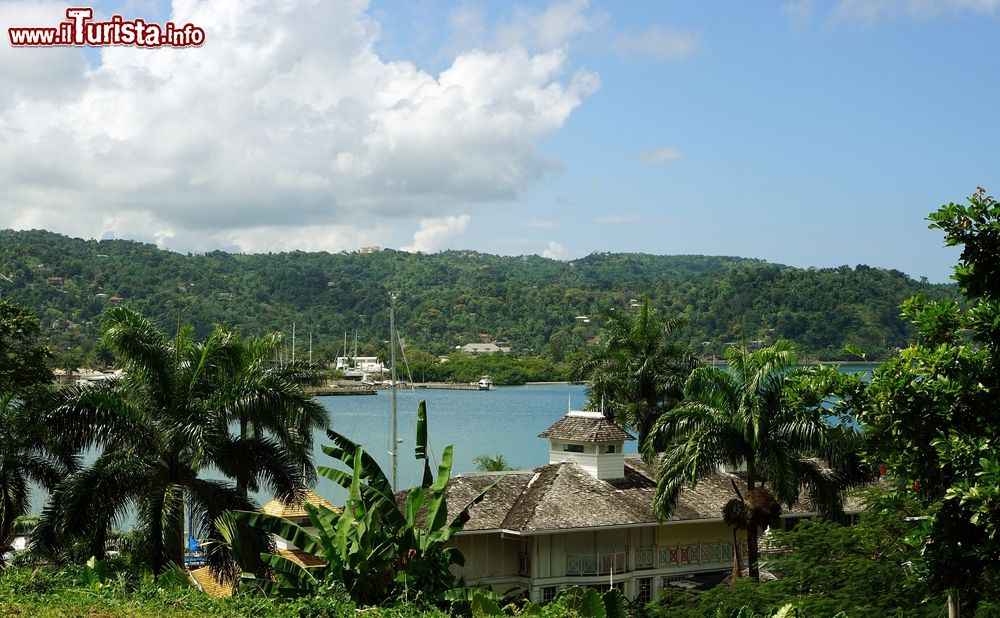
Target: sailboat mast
point(310, 348)
point(392, 363)
point(293, 342)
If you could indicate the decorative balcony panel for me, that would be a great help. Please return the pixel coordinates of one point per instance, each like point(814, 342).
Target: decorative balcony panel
point(645, 558)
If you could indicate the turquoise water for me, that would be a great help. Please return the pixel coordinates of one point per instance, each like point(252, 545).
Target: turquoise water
point(506, 421)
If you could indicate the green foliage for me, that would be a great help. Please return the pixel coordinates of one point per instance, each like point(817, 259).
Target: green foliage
point(45, 592)
point(638, 373)
point(449, 298)
point(374, 548)
point(23, 361)
point(504, 369)
point(95, 572)
point(934, 415)
point(864, 570)
point(160, 425)
point(31, 449)
point(571, 602)
point(760, 412)
point(486, 463)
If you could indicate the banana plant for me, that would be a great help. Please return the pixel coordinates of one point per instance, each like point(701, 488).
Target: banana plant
point(373, 547)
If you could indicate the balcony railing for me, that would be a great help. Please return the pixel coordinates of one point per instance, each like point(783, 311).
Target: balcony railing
point(597, 564)
point(654, 557)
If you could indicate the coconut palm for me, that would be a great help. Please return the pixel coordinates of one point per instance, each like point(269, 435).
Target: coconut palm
point(639, 372)
point(743, 415)
point(164, 423)
point(494, 463)
point(265, 400)
point(28, 454)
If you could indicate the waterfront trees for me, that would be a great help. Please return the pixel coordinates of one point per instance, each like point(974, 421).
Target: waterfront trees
point(639, 372)
point(161, 425)
point(747, 414)
point(29, 451)
point(23, 362)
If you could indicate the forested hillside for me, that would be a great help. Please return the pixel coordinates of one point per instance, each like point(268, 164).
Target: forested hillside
point(451, 298)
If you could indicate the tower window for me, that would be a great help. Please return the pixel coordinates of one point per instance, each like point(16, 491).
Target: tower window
point(609, 448)
point(572, 448)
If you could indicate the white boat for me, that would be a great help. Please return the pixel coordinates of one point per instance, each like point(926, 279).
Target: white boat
point(486, 383)
point(356, 367)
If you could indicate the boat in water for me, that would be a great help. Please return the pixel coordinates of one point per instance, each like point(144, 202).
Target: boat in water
point(485, 383)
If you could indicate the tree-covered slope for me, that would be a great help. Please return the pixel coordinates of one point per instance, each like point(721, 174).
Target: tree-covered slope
point(450, 298)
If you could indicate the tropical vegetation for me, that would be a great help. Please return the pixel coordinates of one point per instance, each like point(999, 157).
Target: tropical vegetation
point(213, 402)
point(373, 548)
point(30, 451)
point(752, 414)
point(638, 372)
point(864, 570)
point(162, 425)
point(539, 306)
point(491, 463)
point(933, 414)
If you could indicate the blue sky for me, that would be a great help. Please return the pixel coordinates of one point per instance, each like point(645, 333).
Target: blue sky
point(806, 133)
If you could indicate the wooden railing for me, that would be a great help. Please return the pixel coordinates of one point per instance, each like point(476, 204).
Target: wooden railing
point(597, 564)
point(654, 557)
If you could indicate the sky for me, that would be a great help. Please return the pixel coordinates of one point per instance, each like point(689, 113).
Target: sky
point(807, 132)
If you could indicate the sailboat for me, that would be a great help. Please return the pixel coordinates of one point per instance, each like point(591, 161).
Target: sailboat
point(350, 368)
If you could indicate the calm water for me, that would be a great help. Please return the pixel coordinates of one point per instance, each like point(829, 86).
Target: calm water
point(506, 421)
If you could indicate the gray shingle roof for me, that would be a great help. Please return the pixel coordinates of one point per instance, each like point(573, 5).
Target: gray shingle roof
point(563, 496)
point(585, 429)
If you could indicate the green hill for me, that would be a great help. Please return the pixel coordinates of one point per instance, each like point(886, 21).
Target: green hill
point(452, 298)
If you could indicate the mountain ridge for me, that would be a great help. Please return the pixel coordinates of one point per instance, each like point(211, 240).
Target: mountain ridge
point(540, 306)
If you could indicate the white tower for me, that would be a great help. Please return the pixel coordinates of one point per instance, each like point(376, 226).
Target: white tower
point(591, 441)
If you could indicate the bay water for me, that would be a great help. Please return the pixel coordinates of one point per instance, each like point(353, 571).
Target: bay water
point(504, 421)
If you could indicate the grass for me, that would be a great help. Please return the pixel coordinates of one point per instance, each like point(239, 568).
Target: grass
point(50, 592)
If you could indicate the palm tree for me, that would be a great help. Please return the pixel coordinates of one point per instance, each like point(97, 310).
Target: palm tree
point(166, 421)
point(639, 373)
point(28, 454)
point(744, 415)
point(264, 399)
point(486, 463)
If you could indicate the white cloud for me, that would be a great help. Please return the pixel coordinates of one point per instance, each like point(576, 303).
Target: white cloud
point(872, 11)
point(541, 224)
point(661, 156)
point(798, 12)
point(556, 26)
point(552, 28)
point(283, 124)
point(658, 43)
point(556, 251)
point(619, 219)
point(434, 234)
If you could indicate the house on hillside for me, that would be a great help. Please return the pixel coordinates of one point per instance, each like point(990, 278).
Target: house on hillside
point(475, 349)
point(586, 519)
